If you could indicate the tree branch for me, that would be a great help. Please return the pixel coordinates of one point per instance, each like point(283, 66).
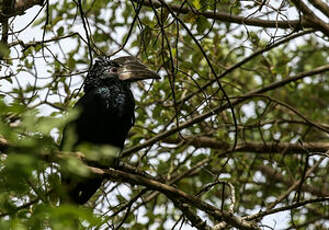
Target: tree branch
point(323, 7)
point(311, 17)
point(19, 8)
point(244, 61)
point(169, 191)
point(276, 176)
point(289, 207)
point(195, 220)
point(22, 5)
point(222, 16)
point(222, 108)
point(7, 8)
point(295, 185)
point(253, 147)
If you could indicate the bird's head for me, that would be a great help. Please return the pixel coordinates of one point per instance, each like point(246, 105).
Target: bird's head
point(127, 69)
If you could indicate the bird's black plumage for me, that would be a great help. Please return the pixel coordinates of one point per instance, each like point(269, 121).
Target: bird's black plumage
point(106, 113)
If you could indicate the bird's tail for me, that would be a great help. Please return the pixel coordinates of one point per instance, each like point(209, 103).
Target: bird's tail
point(79, 190)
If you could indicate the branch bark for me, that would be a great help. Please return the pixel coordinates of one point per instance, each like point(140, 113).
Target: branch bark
point(22, 5)
point(254, 147)
point(225, 17)
point(309, 16)
point(289, 207)
point(195, 220)
point(320, 5)
point(18, 8)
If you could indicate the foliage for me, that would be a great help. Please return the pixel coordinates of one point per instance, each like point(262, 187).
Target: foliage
point(239, 119)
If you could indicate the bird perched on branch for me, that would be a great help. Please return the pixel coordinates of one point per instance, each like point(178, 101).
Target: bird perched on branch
point(106, 113)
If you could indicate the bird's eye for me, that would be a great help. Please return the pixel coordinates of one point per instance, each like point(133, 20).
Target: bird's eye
point(113, 70)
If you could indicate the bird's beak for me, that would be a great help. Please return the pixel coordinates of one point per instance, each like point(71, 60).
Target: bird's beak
point(131, 69)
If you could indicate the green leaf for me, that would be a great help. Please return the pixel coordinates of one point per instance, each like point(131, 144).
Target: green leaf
point(60, 31)
point(4, 50)
point(196, 4)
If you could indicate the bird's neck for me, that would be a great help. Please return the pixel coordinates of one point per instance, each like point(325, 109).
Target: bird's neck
point(109, 83)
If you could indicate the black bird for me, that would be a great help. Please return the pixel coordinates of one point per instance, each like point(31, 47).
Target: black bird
point(106, 113)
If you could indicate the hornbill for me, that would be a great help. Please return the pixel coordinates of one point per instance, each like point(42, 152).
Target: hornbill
point(106, 113)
